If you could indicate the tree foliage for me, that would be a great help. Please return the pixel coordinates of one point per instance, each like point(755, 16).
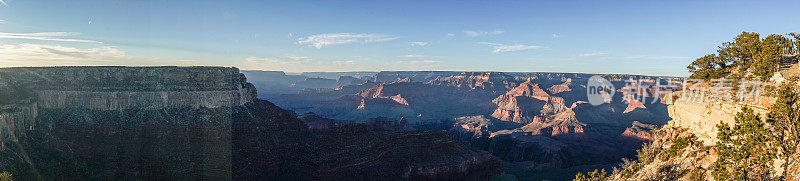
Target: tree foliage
point(796, 42)
point(784, 120)
point(710, 66)
point(744, 150)
point(748, 54)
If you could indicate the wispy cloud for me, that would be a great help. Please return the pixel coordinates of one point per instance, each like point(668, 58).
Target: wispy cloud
point(556, 36)
point(278, 60)
point(299, 58)
point(2, 21)
point(49, 55)
point(593, 54)
point(651, 57)
point(298, 64)
point(471, 33)
point(416, 64)
point(322, 40)
point(46, 36)
point(498, 48)
point(419, 43)
point(415, 56)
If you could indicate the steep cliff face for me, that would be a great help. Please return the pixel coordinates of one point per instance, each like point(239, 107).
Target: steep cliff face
point(702, 118)
point(15, 120)
point(123, 122)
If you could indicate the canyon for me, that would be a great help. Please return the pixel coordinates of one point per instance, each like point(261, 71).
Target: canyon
point(213, 123)
point(198, 123)
point(532, 123)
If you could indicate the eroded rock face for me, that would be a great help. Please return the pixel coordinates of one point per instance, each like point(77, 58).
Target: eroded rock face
point(694, 116)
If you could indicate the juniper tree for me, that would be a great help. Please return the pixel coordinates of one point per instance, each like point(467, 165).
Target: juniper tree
point(744, 150)
point(784, 119)
point(708, 67)
point(747, 52)
point(769, 56)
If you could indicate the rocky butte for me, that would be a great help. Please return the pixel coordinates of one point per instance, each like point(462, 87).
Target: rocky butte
point(198, 123)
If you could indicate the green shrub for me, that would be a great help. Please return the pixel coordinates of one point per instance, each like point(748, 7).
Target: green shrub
point(596, 175)
point(5, 176)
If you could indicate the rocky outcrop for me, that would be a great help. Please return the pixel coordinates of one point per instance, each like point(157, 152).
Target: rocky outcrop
point(702, 118)
point(525, 103)
point(564, 87)
point(640, 132)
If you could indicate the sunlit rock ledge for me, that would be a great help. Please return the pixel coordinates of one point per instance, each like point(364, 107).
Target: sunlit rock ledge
point(702, 117)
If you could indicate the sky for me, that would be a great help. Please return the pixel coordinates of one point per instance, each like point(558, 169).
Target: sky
point(628, 37)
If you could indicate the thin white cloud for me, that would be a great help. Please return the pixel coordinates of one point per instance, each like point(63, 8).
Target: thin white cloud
point(556, 36)
point(419, 43)
point(297, 64)
point(48, 55)
point(499, 48)
point(278, 61)
point(299, 58)
point(322, 40)
point(471, 33)
point(415, 64)
point(46, 36)
point(415, 56)
point(450, 35)
point(2, 21)
point(592, 54)
point(651, 57)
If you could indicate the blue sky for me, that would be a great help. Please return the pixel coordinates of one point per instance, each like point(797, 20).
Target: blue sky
point(636, 37)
